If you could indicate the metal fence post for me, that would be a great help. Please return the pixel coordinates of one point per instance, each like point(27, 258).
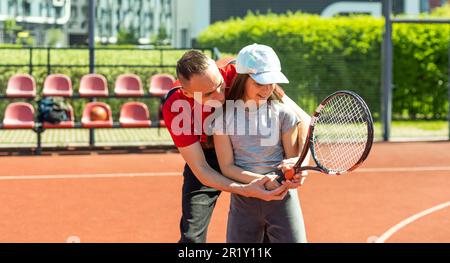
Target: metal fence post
point(91, 56)
point(387, 69)
point(39, 141)
point(48, 61)
point(216, 53)
point(30, 65)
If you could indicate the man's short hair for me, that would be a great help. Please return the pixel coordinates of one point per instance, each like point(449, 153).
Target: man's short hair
point(191, 63)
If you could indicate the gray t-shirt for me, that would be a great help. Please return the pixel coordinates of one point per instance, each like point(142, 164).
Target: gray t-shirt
point(256, 134)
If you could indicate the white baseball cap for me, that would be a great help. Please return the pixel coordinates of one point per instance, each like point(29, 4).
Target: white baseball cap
point(261, 63)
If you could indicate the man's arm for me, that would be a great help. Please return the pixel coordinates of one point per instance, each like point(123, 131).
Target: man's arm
point(195, 158)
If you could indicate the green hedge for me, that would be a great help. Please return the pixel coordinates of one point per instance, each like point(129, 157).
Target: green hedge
point(321, 55)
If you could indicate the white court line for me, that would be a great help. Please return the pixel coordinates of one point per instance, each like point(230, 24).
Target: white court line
point(81, 176)
point(409, 220)
point(121, 175)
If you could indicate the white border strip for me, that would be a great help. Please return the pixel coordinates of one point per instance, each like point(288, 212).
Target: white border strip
point(409, 220)
point(351, 6)
point(121, 175)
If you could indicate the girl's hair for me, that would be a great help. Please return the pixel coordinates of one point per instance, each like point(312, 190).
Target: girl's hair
point(237, 89)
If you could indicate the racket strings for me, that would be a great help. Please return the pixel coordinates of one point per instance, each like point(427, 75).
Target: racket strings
point(340, 133)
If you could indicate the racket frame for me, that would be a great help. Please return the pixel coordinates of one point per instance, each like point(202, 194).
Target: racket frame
point(309, 141)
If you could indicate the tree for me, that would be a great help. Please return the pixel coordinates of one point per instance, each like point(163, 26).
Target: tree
point(54, 37)
point(161, 37)
point(127, 36)
point(10, 29)
point(162, 33)
point(443, 11)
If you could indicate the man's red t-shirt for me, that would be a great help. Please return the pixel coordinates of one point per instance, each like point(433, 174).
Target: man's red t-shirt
point(187, 138)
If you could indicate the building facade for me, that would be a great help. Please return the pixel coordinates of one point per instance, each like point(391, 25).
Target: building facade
point(36, 16)
point(145, 18)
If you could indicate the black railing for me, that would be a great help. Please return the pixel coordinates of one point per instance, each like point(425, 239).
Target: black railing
point(213, 52)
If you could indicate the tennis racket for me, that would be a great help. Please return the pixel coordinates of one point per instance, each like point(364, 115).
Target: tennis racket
point(339, 138)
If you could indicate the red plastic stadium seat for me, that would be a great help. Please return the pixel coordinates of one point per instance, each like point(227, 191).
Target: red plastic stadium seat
point(19, 115)
point(162, 123)
point(93, 85)
point(86, 119)
point(70, 123)
point(134, 114)
point(160, 84)
point(225, 61)
point(57, 85)
point(21, 86)
point(128, 85)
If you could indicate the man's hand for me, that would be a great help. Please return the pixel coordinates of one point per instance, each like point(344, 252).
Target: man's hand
point(256, 189)
point(272, 183)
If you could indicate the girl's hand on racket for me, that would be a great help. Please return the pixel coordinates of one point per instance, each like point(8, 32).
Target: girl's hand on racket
point(287, 164)
point(297, 181)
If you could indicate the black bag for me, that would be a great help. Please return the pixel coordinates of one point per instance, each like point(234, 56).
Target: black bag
point(52, 110)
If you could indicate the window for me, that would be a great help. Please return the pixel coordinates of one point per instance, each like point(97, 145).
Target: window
point(184, 37)
point(12, 7)
point(26, 10)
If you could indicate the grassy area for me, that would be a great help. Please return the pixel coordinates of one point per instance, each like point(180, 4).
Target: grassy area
point(102, 56)
point(401, 130)
point(419, 129)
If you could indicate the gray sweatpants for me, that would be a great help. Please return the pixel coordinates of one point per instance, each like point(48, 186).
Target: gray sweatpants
point(282, 220)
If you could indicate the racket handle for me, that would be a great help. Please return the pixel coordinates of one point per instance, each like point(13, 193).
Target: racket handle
point(280, 177)
point(289, 174)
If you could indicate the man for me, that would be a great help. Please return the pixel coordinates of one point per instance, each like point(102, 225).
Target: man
point(200, 82)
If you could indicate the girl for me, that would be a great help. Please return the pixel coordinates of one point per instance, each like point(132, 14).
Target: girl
point(255, 135)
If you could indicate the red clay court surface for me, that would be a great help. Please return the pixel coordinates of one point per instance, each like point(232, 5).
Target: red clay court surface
point(136, 198)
